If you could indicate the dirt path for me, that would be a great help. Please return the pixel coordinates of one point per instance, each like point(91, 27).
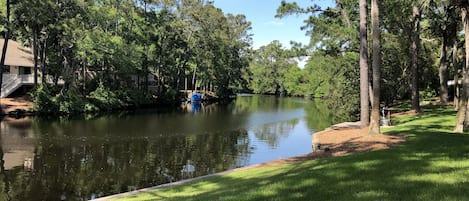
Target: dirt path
point(342, 139)
point(12, 104)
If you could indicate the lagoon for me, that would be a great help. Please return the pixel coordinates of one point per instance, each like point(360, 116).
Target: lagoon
point(93, 156)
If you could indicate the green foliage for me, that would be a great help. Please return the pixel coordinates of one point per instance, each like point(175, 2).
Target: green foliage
point(139, 98)
point(100, 100)
point(332, 70)
point(336, 80)
point(397, 55)
point(70, 103)
point(105, 99)
point(269, 70)
point(133, 46)
point(334, 77)
point(427, 93)
point(91, 108)
point(47, 101)
point(295, 82)
point(152, 53)
point(44, 100)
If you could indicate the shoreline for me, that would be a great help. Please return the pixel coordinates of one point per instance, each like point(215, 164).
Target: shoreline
point(23, 106)
point(16, 106)
point(338, 140)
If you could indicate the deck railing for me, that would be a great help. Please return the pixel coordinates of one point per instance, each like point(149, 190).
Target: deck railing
point(11, 82)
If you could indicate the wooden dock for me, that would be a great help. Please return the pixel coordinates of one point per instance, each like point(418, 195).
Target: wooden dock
point(206, 95)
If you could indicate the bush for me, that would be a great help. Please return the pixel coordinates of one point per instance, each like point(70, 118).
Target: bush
point(427, 93)
point(105, 99)
point(70, 103)
point(48, 100)
point(91, 108)
point(44, 101)
point(169, 97)
point(138, 98)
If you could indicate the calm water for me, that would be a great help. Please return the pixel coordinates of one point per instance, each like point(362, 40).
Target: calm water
point(81, 159)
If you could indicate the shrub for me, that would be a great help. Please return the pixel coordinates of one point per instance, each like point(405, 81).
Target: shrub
point(70, 103)
point(44, 101)
point(106, 99)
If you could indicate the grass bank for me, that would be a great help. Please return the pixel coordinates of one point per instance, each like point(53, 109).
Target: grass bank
point(432, 165)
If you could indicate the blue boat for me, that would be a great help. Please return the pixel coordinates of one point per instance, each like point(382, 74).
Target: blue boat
point(196, 98)
point(196, 107)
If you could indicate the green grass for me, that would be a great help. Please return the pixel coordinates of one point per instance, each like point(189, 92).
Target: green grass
point(432, 165)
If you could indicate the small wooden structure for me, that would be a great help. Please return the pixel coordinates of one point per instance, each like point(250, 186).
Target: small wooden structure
point(201, 95)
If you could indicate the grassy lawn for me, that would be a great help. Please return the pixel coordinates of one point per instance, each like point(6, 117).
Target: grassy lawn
point(432, 165)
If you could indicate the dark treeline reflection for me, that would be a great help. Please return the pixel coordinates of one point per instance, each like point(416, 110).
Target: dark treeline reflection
point(95, 158)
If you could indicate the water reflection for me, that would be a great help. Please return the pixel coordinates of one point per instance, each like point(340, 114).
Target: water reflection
point(84, 158)
point(18, 143)
point(81, 167)
point(273, 133)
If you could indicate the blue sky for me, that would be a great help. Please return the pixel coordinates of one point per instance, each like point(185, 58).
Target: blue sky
point(265, 27)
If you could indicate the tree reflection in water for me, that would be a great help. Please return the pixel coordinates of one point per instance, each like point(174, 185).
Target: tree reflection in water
point(86, 166)
point(272, 133)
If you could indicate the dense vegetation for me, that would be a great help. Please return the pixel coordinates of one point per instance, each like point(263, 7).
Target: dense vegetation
point(332, 70)
point(114, 54)
point(420, 49)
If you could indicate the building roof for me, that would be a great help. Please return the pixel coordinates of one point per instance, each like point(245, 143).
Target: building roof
point(17, 55)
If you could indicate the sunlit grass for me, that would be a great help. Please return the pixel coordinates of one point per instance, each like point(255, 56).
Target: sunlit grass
point(432, 165)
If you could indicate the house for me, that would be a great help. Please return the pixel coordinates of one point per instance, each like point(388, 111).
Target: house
point(19, 70)
point(19, 67)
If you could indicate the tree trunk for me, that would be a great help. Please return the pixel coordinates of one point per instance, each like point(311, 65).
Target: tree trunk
point(343, 12)
point(364, 96)
point(415, 57)
point(194, 81)
point(43, 62)
point(461, 116)
point(146, 71)
point(370, 91)
point(5, 44)
point(138, 81)
point(178, 76)
point(374, 122)
point(443, 71)
point(185, 83)
point(462, 112)
point(456, 75)
point(35, 52)
point(84, 76)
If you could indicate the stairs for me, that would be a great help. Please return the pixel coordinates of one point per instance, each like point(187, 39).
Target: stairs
point(12, 83)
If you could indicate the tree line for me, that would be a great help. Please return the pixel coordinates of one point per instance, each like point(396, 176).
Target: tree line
point(119, 53)
point(415, 47)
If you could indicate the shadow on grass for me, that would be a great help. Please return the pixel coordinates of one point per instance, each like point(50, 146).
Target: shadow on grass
point(432, 165)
